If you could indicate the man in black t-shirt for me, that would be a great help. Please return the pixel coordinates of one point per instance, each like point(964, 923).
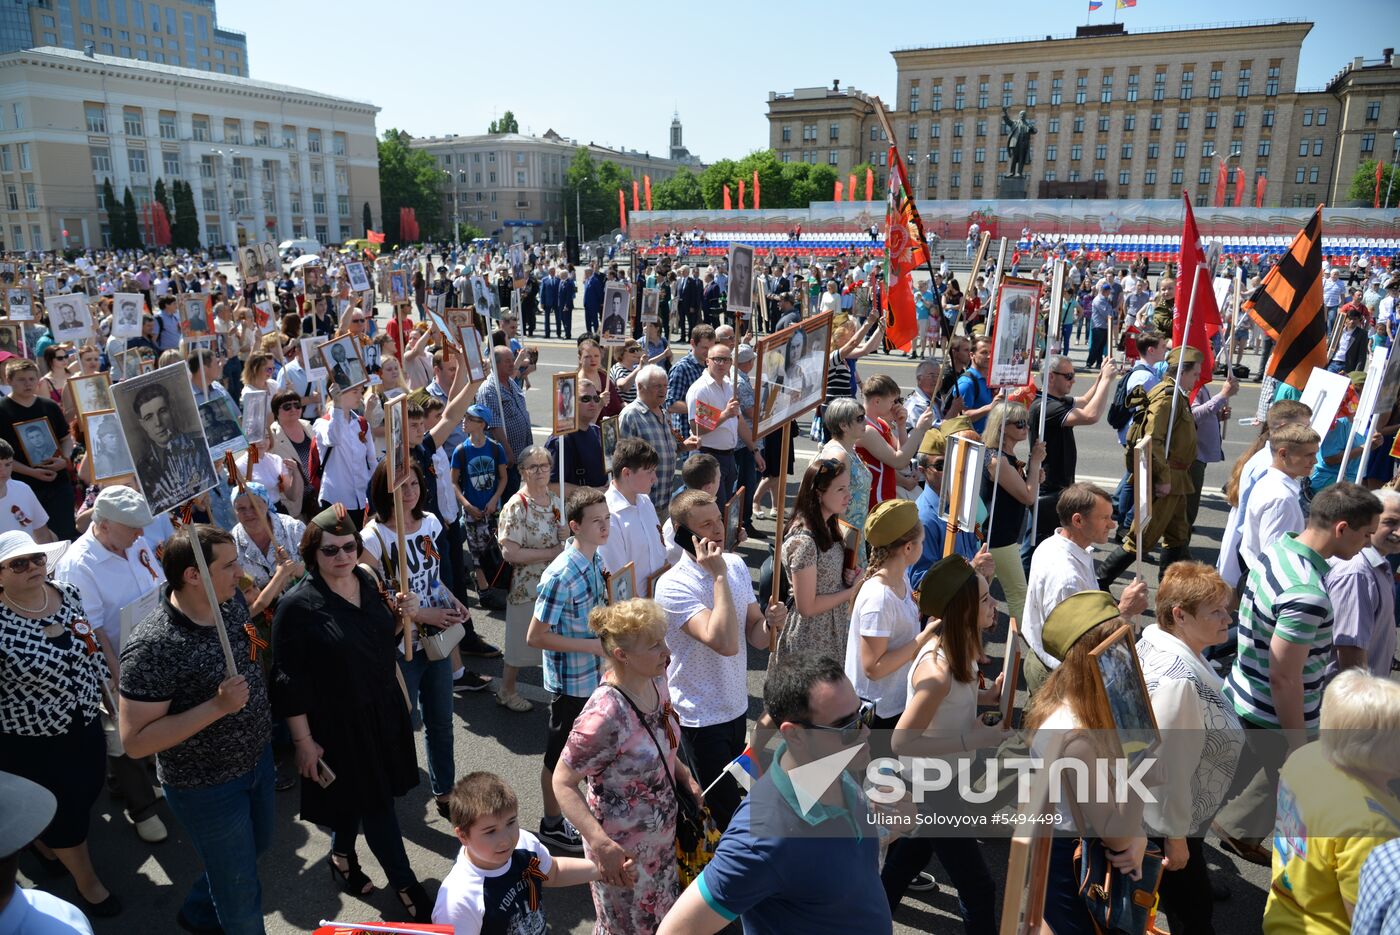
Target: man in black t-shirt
point(49, 478)
point(1063, 413)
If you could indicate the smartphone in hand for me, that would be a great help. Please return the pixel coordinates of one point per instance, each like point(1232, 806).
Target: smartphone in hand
point(324, 774)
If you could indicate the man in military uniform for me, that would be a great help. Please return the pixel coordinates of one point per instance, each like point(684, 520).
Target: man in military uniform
point(1171, 476)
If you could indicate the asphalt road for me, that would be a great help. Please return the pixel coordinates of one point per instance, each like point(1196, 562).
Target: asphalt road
point(298, 891)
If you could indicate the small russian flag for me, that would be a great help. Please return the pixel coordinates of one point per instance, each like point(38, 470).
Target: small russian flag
point(744, 768)
point(1094, 5)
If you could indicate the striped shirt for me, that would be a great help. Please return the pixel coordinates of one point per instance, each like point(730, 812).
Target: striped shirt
point(1285, 596)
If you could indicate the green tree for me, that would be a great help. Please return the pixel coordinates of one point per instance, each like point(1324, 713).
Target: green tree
point(680, 192)
point(131, 221)
point(1363, 185)
point(507, 124)
point(163, 198)
point(466, 233)
point(408, 178)
point(368, 219)
point(184, 230)
point(714, 178)
point(593, 186)
point(859, 172)
point(808, 183)
point(114, 218)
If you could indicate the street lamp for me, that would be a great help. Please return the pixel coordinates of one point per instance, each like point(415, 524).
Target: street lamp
point(577, 209)
point(1394, 163)
point(230, 210)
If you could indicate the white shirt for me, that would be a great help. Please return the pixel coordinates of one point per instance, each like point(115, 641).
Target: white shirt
point(20, 509)
point(446, 491)
point(1228, 563)
point(347, 460)
point(106, 581)
point(268, 471)
point(461, 900)
point(635, 537)
point(718, 394)
point(1059, 568)
point(1273, 510)
point(706, 688)
point(878, 611)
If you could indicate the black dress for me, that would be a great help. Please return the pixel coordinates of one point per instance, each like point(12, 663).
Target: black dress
point(337, 664)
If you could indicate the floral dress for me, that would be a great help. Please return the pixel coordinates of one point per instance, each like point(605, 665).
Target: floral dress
point(531, 526)
point(859, 507)
point(634, 802)
point(826, 633)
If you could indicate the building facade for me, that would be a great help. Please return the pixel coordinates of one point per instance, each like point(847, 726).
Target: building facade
point(170, 32)
point(834, 126)
point(512, 185)
point(265, 161)
point(1356, 118)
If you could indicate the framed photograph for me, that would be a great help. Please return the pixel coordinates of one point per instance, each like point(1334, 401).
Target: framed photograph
point(1323, 394)
point(313, 277)
point(367, 302)
point(515, 303)
point(1013, 331)
point(265, 316)
point(256, 415)
point(1370, 390)
point(1028, 866)
point(475, 353)
point(480, 300)
point(396, 440)
point(36, 439)
point(965, 463)
point(1011, 669)
point(609, 431)
point(19, 303)
point(852, 544)
point(436, 302)
point(565, 403)
point(107, 451)
point(371, 356)
point(127, 364)
point(443, 328)
point(12, 338)
point(617, 303)
point(196, 317)
point(92, 393)
point(250, 263)
point(398, 287)
point(173, 466)
point(345, 368)
point(311, 360)
point(1123, 695)
point(271, 260)
point(355, 273)
point(733, 520)
point(517, 265)
point(654, 577)
point(50, 286)
point(622, 584)
point(70, 319)
point(790, 374)
point(126, 314)
point(651, 305)
point(223, 425)
point(740, 278)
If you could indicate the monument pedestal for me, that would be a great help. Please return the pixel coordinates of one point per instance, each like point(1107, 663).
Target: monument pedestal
point(1012, 187)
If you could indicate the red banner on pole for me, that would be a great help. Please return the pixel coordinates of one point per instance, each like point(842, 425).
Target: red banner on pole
point(1239, 188)
point(1259, 185)
point(869, 184)
point(741, 194)
point(838, 191)
point(646, 187)
point(727, 205)
point(1222, 178)
point(851, 188)
point(636, 199)
point(621, 210)
point(755, 189)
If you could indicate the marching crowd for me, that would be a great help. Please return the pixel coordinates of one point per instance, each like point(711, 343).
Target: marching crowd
point(344, 583)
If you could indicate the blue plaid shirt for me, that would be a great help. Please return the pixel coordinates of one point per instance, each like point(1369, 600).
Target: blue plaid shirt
point(570, 588)
point(678, 381)
point(1377, 912)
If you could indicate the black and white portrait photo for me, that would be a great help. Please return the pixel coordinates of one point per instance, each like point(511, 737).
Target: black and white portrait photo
point(344, 367)
point(517, 264)
point(70, 320)
point(222, 428)
point(91, 393)
point(740, 278)
point(359, 281)
point(250, 263)
point(126, 314)
point(480, 299)
point(256, 414)
point(271, 262)
point(110, 456)
point(651, 304)
point(37, 439)
point(616, 307)
point(19, 304)
point(194, 315)
point(165, 435)
point(12, 338)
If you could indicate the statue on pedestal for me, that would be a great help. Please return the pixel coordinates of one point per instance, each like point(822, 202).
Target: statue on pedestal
point(1018, 141)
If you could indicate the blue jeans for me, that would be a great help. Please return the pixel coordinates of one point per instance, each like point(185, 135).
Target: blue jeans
point(230, 825)
point(1123, 505)
point(431, 683)
point(748, 479)
point(1064, 907)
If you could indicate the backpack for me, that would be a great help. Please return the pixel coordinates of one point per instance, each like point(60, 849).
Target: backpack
point(1121, 411)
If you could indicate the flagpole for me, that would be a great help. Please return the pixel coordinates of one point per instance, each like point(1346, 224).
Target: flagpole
point(1234, 339)
point(1181, 357)
point(1052, 333)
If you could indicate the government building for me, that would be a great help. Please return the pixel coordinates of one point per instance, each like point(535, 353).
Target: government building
point(1119, 114)
point(266, 161)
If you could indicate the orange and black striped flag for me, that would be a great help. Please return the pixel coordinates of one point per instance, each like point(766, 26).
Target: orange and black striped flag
point(1288, 306)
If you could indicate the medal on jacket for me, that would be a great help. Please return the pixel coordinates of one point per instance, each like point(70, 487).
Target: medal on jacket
point(144, 557)
point(83, 631)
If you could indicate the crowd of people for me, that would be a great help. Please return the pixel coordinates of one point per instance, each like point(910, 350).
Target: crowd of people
point(293, 625)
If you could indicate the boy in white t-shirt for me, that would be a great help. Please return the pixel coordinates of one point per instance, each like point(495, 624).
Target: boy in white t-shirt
point(494, 887)
point(19, 508)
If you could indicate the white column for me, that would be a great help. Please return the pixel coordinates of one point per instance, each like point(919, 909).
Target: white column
point(284, 199)
point(255, 193)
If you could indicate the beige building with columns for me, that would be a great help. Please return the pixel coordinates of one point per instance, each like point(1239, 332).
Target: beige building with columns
point(832, 126)
point(266, 161)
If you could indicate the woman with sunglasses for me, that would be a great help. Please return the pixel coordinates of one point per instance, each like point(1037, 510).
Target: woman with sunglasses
point(291, 441)
point(267, 544)
point(55, 377)
point(50, 731)
point(844, 422)
point(1007, 480)
point(590, 367)
point(940, 720)
point(335, 638)
point(821, 584)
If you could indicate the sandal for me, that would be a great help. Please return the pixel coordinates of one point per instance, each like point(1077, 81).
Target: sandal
point(415, 900)
point(352, 879)
point(513, 702)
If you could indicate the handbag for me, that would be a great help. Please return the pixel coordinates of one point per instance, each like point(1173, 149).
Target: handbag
point(438, 644)
point(1116, 904)
point(697, 835)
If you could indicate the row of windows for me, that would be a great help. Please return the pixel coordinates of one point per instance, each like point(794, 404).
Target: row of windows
point(1125, 177)
point(1240, 120)
point(134, 125)
point(1186, 88)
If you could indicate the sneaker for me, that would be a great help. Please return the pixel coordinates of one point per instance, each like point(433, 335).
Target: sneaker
point(473, 645)
point(469, 681)
point(923, 882)
point(561, 835)
point(492, 599)
point(513, 702)
point(151, 830)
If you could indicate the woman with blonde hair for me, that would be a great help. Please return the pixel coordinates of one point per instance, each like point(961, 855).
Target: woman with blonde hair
point(590, 367)
point(391, 385)
point(257, 376)
point(1008, 483)
point(623, 744)
point(89, 362)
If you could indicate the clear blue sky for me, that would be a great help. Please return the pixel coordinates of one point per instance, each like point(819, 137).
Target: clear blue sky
point(613, 73)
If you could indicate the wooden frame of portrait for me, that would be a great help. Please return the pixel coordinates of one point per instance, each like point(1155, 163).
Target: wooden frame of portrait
point(651, 305)
point(473, 351)
point(1011, 672)
point(357, 277)
point(444, 329)
point(101, 417)
point(733, 520)
point(971, 456)
point(852, 543)
point(328, 362)
point(565, 387)
point(654, 577)
point(128, 363)
point(15, 328)
point(772, 352)
point(611, 293)
point(622, 584)
point(740, 300)
point(398, 291)
point(396, 441)
point(608, 430)
point(103, 384)
point(1142, 492)
point(195, 307)
point(1005, 369)
point(1126, 699)
point(1028, 865)
point(50, 440)
point(19, 299)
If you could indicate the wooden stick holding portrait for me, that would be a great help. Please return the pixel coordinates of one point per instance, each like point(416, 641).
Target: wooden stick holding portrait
point(401, 538)
point(192, 533)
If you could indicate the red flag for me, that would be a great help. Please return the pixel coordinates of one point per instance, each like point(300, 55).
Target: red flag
point(635, 198)
point(755, 189)
point(1239, 188)
point(1376, 201)
point(1222, 178)
point(646, 186)
point(727, 206)
point(869, 184)
point(621, 210)
point(838, 191)
point(1259, 185)
point(851, 188)
point(373, 237)
point(1205, 317)
point(906, 248)
point(741, 194)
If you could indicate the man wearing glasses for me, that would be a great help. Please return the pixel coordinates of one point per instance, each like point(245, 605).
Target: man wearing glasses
point(782, 867)
point(713, 410)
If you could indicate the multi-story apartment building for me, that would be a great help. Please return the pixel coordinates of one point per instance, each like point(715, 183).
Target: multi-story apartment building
point(266, 161)
point(513, 183)
point(168, 32)
point(1354, 119)
point(834, 126)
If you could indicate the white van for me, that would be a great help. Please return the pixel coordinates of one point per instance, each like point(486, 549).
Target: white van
point(303, 246)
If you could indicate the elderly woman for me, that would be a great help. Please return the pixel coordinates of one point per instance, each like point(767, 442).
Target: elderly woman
point(1193, 613)
point(590, 367)
point(51, 678)
point(335, 639)
point(531, 534)
point(623, 744)
point(267, 543)
point(1008, 484)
